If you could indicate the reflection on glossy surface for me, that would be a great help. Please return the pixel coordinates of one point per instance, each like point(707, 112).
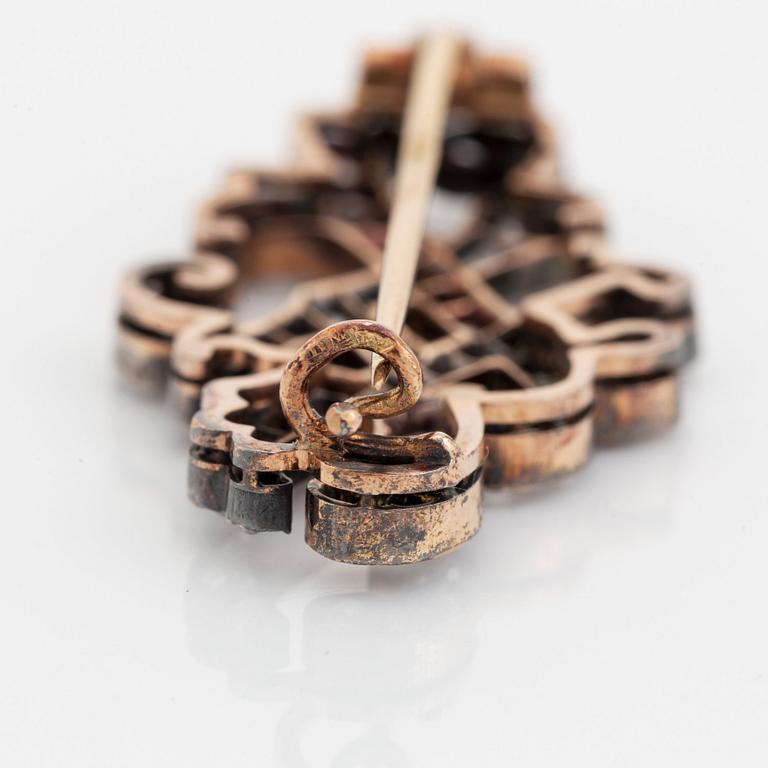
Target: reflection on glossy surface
point(365, 646)
point(374, 647)
point(359, 651)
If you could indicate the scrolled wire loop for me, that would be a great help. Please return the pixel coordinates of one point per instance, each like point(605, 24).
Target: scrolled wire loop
point(343, 419)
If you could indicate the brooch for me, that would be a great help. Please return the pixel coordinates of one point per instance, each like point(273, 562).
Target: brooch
point(460, 319)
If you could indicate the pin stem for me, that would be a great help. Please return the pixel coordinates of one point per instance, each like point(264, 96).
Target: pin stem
point(426, 112)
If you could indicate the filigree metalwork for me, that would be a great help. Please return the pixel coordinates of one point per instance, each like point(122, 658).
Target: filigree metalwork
point(533, 340)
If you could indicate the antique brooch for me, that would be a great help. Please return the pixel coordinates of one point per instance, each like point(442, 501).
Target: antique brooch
point(461, 322)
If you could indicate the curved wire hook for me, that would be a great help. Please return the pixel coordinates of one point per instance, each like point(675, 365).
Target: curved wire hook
point(344, 419)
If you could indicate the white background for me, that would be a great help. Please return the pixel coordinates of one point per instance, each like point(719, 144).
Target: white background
point(616, 620)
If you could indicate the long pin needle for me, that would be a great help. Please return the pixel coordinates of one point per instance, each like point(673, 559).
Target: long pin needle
point(426, 112)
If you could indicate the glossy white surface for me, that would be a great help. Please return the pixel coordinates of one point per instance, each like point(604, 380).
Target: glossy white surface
point(617, 619)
